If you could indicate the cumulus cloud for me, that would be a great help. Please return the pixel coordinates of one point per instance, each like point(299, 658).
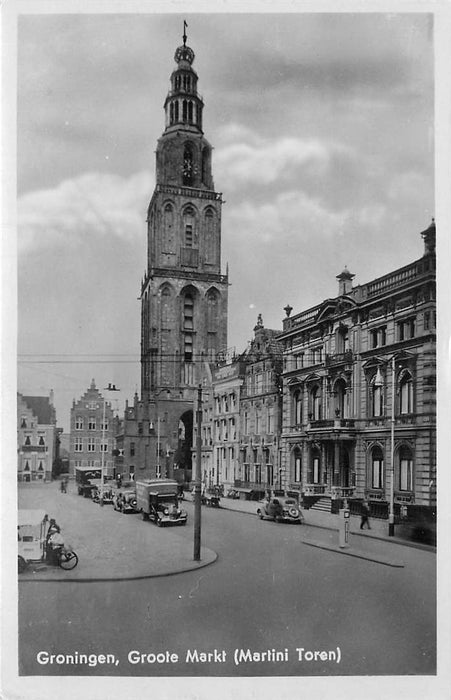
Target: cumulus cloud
point(94, 204)
point(246, 158)
point(291, 215)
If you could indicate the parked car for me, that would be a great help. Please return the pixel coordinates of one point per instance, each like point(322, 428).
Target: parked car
point(125, 501)
point(280, 510)
point(107, 495)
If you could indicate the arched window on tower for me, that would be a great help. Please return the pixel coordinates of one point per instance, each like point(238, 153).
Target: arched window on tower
point(213, 299)
point(188, 164)
point(166, 321)
point(205, 163)
point(210, 236)
point(188, 337)
point(168, 228)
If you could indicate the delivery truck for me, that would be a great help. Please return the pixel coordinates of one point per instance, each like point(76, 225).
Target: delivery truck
point(158, 500)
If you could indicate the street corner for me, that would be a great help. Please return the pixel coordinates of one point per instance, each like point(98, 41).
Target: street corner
point(125, 569)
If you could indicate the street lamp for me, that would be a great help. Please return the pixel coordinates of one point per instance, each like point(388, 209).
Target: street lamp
point(110, 387)
point(391, 515)
point(378, 382)
point(197, 480)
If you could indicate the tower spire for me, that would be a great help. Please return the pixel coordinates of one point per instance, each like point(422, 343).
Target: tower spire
point(184, 32)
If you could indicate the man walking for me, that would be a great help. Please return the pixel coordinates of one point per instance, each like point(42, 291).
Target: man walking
point(365, 512)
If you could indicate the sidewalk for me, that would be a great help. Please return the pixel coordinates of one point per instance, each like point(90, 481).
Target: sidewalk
point(102, 539)
point(328, 521)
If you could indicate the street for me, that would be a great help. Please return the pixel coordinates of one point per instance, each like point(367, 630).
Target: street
point(269, 606)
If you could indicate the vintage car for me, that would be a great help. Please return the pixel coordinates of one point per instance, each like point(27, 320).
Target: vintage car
point(158, 501)
point(280, 509)
point(125, 501)
point(107, 494)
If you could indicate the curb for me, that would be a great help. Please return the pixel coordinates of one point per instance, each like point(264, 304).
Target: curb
point(213, 556)
point(357, 555)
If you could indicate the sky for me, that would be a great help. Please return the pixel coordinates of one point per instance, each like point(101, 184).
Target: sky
point(323, 134)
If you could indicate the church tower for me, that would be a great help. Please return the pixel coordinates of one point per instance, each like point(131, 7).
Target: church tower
point(183, 294)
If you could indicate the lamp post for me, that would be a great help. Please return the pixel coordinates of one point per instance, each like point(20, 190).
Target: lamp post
point(378, 382)
point(391, 515)
point(197, 481)
point(110, 387)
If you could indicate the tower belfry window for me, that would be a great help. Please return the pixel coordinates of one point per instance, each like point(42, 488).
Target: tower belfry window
point(189, 235)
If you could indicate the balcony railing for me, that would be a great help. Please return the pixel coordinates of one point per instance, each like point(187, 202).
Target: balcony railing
point(315, 489)
point(341, 358)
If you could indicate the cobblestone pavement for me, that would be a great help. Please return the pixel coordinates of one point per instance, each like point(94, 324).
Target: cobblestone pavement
point(106, 553)
point(109, 544)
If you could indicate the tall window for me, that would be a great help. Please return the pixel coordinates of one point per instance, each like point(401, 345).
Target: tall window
point(316, 470)
point(78, 445)
point(377, 396)
point(316, 403)
point(405, 469)
point(297, 467)
point(297, 405)
point(79, 423)
point(168, 223)
point(377, 468)
point(188, 313)
point(92, 423)
point(209, 236)
point(91, 445)
point(406, 393)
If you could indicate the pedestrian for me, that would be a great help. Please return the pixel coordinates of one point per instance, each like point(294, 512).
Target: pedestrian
point(55, 544)
point(365, 512)
point(62, 486)
point(53, 527)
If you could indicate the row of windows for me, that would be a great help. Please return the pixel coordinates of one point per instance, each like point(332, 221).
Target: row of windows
point(27, 466)
point(186, 111)
point(404, 403)
point(405, 330)
point(226, 403)
point(90, 423)
point(90, 445)
point(404, 471)
point(39, 441)
point(263, 422)
point(258, 475)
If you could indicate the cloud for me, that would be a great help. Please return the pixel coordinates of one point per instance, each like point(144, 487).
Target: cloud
point(290, 218)
point(246, 158)
point(92, 205)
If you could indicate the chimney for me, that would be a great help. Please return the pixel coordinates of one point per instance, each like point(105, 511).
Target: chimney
point(345, 282)
point(428, 237)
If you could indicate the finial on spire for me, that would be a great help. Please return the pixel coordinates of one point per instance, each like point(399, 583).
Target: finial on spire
point(184, 32)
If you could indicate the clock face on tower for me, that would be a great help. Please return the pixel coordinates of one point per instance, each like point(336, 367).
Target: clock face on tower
point(187, 168)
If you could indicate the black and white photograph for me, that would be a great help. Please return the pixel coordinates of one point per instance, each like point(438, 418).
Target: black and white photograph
point(225, 357)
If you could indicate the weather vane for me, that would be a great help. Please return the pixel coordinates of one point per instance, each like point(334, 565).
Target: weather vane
point(184, 32)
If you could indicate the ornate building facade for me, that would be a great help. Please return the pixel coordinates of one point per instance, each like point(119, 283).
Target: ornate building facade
point(359, 400)
point(183, 293)
point(92, 432)
point(37, 437)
